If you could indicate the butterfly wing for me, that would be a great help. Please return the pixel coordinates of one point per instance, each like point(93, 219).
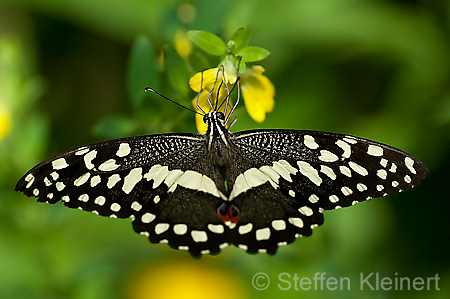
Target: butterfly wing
point(162, 182)
point(289, 177)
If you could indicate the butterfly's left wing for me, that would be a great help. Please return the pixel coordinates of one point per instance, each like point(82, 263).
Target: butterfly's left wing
point(161, 181)
point(285, 179)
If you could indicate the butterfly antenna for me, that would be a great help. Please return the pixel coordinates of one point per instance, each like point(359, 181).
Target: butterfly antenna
point(212, 89)
point(235, 104)
point(163, 96)
point(198, 96)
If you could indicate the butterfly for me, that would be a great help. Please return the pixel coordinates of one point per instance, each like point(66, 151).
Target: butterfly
point(257, 189)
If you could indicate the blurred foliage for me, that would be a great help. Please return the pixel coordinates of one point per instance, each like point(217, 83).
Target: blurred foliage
point(74, 72)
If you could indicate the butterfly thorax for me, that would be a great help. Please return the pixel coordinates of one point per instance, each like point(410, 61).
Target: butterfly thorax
point(217, 137)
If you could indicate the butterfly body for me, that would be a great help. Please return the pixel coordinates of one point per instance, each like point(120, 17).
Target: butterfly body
point(257, 190)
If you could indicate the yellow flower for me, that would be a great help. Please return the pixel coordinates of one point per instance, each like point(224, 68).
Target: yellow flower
point(183, 279)
point(5, 122)
point(211, 80)
point(182, 44)
point(257, 90)
point(258, 93)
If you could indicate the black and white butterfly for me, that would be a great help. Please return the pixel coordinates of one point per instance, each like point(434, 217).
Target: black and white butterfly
point(257, 189)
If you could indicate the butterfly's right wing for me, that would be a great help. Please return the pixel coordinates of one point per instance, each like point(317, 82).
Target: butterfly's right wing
point(162, 182)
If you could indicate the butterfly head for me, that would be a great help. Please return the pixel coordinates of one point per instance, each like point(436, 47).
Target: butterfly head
point(215, 117)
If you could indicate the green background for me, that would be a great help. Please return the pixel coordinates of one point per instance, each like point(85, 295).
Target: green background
point(73, 72)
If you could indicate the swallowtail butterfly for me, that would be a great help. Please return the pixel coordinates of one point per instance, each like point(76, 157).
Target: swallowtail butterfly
point(257, 189)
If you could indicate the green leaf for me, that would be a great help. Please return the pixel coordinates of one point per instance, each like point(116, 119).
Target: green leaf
point(208, 42)
point(240, 38)
point(176, 69)
point(242, 66)
point(252, 54)
point(141, 70)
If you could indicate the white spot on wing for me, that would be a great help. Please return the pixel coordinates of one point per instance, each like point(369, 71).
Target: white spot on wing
point(108, 165)
point(60, 186)
point(113, 180)
point(361, 187)
point(345, 171)
point(30, 179)
point(383, 162)
point(161, 228)
point(313, 198)
point(375, 150)
point(407, 179)
point(180, 228)
point(83, 198)
point(82, 179)
point(255, 177)
point(350, 139)
point(328, 172)
point(95, 180)
point(284, 169)
point(240, 186)
point(134, 177)
point(59, 163)
point(216, 228)
point(172, 177)
point(263, 234)
point(88, 159)
point(296, 221)
point(115, 207)
point(54, 175)
point(136, 206)
point(100, 200)
point(310, 142)
point(310, 172)
point(208, 186)
point(81, 151)
point(345, 147)
point(305, 210)
point(199, 236)
point(381, 173)
point(124, 150)
point(393, 168)
point(147, 217)
point(272, 174)
point(409, 164)
point(358, 168)
point(327, 156)
point(244, 229)
point(190, 179)
point(279, 224)
point(333, 198)
point(243, 246)
point(346, 191)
